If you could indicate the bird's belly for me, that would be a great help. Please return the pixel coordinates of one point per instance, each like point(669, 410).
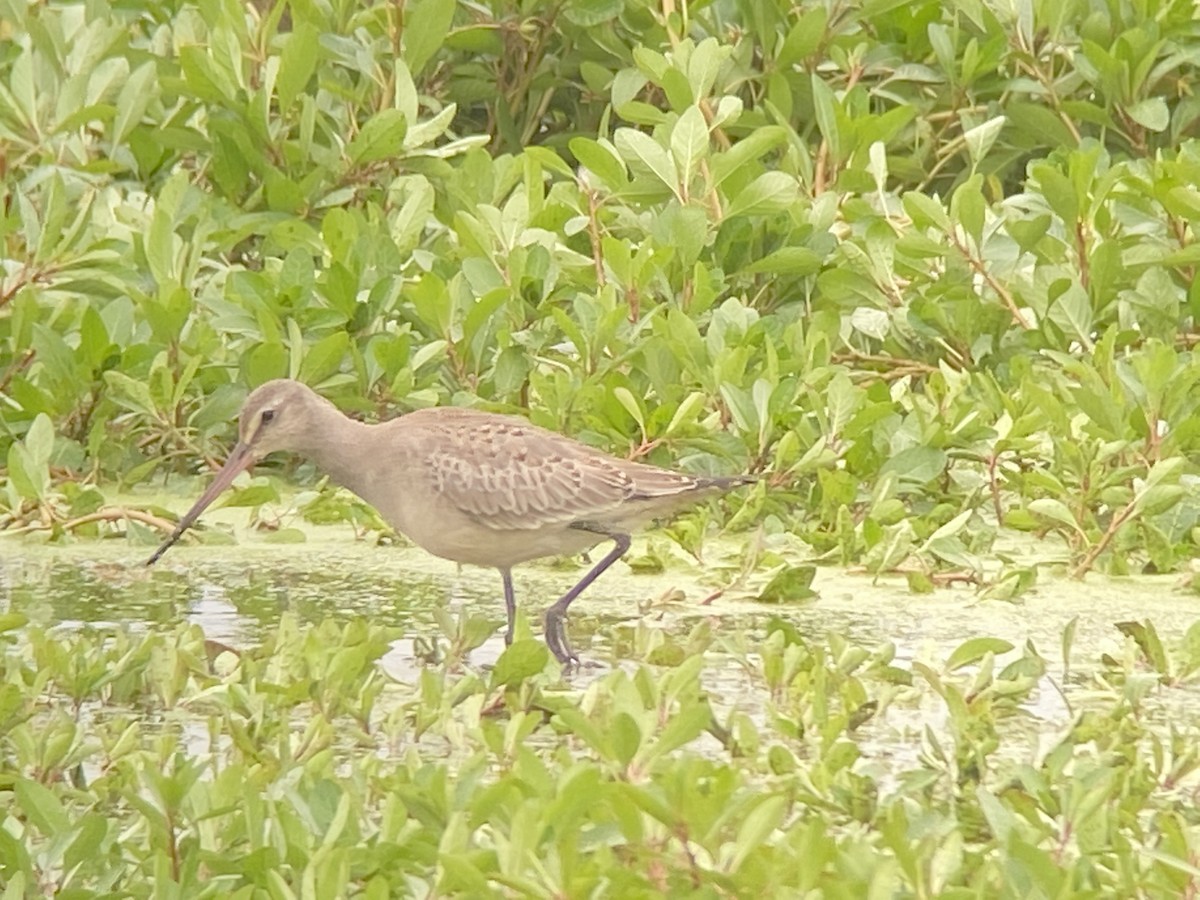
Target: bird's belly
point(439, 528)
point(481, 546)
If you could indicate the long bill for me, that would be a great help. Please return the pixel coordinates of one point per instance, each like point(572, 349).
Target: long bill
point(239, 460)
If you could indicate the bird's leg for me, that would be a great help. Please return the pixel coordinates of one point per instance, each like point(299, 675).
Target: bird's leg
point(510, 604)
point(556, 632)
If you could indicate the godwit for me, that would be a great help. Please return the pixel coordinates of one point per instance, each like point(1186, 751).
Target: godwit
point(470, 486)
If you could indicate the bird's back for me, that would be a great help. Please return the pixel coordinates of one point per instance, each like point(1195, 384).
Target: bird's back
point(497, 480)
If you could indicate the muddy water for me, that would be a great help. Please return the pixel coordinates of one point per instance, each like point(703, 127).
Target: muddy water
point(235, 592)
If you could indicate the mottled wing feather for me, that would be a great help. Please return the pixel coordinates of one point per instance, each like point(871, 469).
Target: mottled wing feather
point(508, 474)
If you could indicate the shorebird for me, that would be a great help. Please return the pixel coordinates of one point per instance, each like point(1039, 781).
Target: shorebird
point(466, 485)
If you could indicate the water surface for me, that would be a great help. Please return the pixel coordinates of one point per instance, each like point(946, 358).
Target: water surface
point(234, 592)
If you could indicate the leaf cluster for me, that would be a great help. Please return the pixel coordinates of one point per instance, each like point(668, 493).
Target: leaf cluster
point(928, 268)
point(162, 763)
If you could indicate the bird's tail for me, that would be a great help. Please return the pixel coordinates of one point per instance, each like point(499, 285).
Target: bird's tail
point(724, 482)
point(675, 484)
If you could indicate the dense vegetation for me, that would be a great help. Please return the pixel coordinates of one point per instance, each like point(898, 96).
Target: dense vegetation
point(928, 268)
point(931, 269)
point(167, 767)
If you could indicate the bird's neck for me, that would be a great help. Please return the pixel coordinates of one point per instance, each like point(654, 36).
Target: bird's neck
point(341, 448)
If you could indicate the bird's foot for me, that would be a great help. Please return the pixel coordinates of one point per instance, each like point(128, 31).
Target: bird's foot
point(556, 640)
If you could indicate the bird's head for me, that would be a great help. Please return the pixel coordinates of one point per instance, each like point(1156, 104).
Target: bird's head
point(278, 415)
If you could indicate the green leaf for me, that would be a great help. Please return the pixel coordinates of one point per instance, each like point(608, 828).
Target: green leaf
point(575, 721)
point(39, 440)
point(590, 13)
point(285, 535)
point(203, 77)
point(94, 344)
point(90, 834)
point(689, 142)
point(684, 229)
point(741, 408)
point(916, 465)
point(974, 650)
point(1160, 498)
point(926, 212)
point(953, 527)
point(1165, 470)
point(1072, 312)
point(511, 370)
point(683, 728)
point(11, 621)
point(804, 37)
point(132, 102)
point(757, 827)
point(752, 147)
point(687, 411)
point(629, 402)
point(429, 130)
point(42, 807)
point(521, 660)
point(602, 162)
point(626, 85)
point(297, 62)
point(791, 584)
point(633, 145)
point(625, 737)
point(324, 358)
point(678, 89)
point(793, 261)
point(1160, 491)
point(426, 25)
point(825, 105)
point(771, 192)
point(919, 582)
point(24, 475)
point(1055, 511)
point(982, 138)
point(1152, 113)
point(1145, 635)
point(704, 66)
point(1059, 193)
point(967, 207)
point(894, 546)
point(842, 401)
point(258, 492)
point(381, 138)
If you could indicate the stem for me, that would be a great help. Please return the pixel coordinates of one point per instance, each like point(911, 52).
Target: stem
point(594, 234)
point(1100, 546)
point(994, 485)
point(108, 514)
point(1001, 291)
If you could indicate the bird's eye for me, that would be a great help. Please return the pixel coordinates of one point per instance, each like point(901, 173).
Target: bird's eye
point(267, 416)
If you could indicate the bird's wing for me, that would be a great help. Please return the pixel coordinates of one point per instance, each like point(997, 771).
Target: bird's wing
point(508, 474)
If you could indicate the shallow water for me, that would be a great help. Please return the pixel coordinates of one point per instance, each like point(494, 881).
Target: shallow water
point(235, 592)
